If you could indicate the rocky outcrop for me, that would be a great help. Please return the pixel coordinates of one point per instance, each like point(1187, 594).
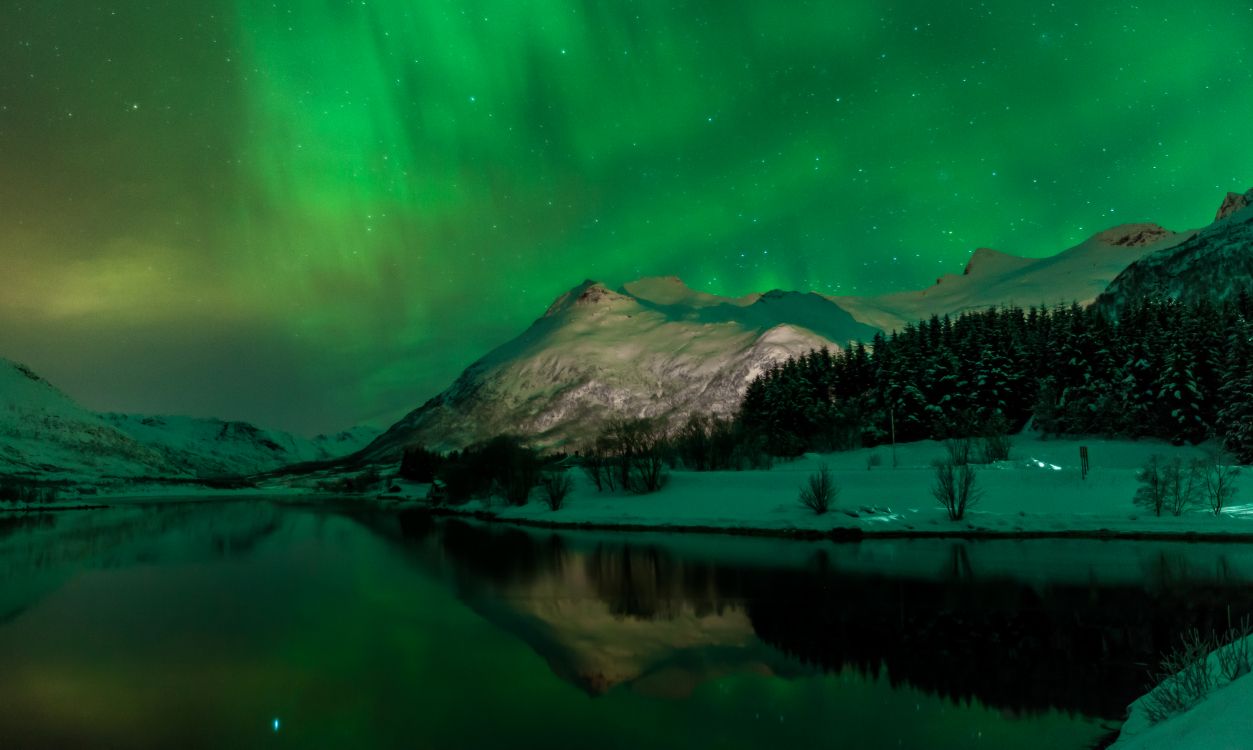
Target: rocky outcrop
point(1214, 264)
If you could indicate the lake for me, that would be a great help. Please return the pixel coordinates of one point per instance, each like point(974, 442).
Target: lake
point(264, 624)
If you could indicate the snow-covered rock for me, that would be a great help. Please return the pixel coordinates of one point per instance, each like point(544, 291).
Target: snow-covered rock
point(1232, 203)
point(654, 348)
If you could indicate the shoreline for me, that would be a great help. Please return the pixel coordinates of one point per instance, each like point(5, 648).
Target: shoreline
point(839, 534)
point(50, 509)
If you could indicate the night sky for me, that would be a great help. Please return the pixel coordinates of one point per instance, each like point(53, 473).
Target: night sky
point(310, 213)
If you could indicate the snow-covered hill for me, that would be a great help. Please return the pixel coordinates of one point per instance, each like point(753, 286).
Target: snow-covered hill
point(45, 434)
point(1215, 263)
point(654, 348)
point(993, 278)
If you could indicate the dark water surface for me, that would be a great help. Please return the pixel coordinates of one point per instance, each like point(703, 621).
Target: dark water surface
point(254, 624)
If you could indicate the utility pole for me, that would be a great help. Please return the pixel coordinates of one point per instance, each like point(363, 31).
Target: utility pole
point(892, 413)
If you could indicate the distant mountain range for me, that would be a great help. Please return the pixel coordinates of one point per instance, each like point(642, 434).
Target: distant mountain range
point(651, 348)
point(655, 348)
point(47, 435)
point(993, 278)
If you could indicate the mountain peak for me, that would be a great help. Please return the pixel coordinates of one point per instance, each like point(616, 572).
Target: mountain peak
point(587, 294)
point(1133, 235)
point(985, 259)
point(1232, 203)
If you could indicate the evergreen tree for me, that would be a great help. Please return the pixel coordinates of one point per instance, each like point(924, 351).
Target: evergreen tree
point(1235, 418)
point(1179, 398)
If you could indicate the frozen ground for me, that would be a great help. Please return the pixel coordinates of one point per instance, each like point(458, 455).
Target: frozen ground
point(1039, 490)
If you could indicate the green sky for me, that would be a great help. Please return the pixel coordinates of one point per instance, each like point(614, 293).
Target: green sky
point(310, 213)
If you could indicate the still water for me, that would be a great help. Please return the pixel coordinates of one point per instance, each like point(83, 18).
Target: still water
point(254, 624)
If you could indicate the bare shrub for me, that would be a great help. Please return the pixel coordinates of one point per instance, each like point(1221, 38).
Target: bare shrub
point(1219, 473)
point(1183, 678)
point(1180, 482)
point(1151, 493)
point(1233, 651)
point(556, 485)
point(636, 451)
point(955, 488)
point(959, 450)
point(650, 475)
point(594, 466)
point(819, 491)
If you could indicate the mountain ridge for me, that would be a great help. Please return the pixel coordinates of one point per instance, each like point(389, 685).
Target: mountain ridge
point(45, 433)
point(547, 395)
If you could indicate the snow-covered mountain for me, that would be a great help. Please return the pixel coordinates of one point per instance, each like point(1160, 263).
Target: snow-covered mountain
point(658, 348)
point(654, 348)
point(1214, 263)
point(993, 278)
point(46, 434)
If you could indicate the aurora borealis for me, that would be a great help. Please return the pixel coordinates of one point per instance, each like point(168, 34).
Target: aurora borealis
point(309, 213)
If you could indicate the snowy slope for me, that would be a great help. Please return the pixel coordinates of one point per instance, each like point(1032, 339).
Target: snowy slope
point(43, 432)
point(1218, 722)
point(992, 278)
point(654, 348)
point(46, 434)
point(1214, 264)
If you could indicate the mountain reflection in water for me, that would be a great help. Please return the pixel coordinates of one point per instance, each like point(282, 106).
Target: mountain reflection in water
point(155, 625)
point(606, 612)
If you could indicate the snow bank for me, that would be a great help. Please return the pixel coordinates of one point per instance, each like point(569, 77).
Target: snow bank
point(1219, 722)
point(1039, 491)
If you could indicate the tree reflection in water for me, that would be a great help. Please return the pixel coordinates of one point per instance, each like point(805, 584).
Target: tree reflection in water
point(1016, 642)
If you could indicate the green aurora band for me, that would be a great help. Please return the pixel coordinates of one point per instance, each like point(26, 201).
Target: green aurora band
point(313, 212)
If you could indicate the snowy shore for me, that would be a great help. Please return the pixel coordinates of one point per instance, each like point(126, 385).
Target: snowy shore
point(1219, 721)
point(1039, 492)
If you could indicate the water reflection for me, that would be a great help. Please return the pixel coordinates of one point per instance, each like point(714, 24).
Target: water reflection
point(1078, 637)
point(196, 625)
point(40, 551)
point(602, 618)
